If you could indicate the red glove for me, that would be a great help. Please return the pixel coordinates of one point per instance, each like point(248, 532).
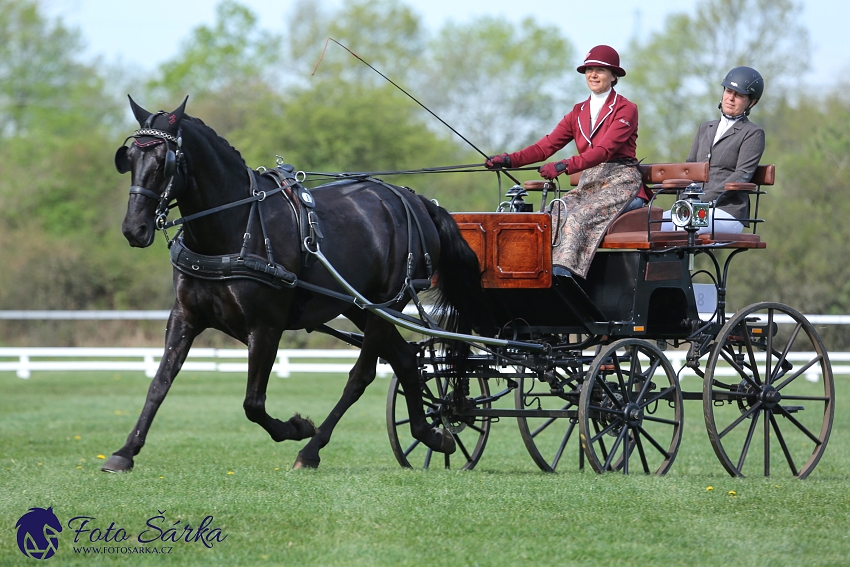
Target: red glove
point(498, 162)
point(553, 169)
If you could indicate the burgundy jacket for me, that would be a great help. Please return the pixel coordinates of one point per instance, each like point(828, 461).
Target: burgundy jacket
point(614, 137)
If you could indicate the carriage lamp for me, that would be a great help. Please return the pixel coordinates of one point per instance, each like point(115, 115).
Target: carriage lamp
point(690, 212)
point(515, 202)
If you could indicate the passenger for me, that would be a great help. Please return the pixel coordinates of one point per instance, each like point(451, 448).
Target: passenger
point(732, 146)
point(604, 128)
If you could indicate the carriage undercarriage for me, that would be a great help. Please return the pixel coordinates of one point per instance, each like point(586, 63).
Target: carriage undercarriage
point(604, 392)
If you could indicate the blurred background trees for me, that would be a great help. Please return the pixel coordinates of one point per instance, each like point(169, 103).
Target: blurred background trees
point(501, 84)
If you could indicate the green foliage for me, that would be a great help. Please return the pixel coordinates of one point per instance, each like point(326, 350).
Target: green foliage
point(674, 76)
point(806, 212)
point(501, 84)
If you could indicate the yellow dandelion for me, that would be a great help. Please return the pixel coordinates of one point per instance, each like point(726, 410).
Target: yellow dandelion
point(230, 472)
point(77, 437)
point(709, 488)
point(79, 466)
point(733, 493)
point(101, 456)
point(161, 476)
point(277, 468)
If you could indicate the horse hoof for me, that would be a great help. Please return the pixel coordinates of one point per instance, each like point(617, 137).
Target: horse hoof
point(447, 442)
point(304, 463)
point(117, 464)
point(304, 428)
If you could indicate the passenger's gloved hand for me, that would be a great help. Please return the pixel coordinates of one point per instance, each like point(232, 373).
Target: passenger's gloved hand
point(498, 162)
point(553, 169)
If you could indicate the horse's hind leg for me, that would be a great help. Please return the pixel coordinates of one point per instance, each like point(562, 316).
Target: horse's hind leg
point(262, 351)
point(380, 339)
point(178, 339)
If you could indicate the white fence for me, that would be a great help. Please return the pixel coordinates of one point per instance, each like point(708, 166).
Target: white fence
point(26, 360)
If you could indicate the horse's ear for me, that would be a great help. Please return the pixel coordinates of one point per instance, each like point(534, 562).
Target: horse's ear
point(177, 114)
point(140, 113)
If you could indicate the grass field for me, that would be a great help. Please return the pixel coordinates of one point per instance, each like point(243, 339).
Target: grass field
point(203, 458)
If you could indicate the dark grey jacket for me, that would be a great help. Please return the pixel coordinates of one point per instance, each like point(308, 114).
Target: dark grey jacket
point(732, 159)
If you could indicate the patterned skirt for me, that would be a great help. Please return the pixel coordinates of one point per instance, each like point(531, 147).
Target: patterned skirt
point(581, 217)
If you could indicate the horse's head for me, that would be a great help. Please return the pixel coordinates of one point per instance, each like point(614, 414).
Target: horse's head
point(155, 162)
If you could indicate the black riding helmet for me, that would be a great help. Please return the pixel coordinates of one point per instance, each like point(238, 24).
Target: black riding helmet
point(746, 81)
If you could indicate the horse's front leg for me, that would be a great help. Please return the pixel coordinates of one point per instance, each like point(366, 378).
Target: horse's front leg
point(178, 339)
point(380, 339)
point(262, 352)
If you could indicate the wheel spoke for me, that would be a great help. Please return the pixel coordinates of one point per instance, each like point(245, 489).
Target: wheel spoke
point(737, 422)
point(751, 354)
point(600, 439)
point(660, 420)
point(648, 380)
point(549, 421)
point(767, 415)
point(747, 441)
point(563, 444)
point(806, 398)
point(642, 454)
point(610, 393)
point(741, 372)
point(462, 447)
point(658, 396)
point(784, 445)
point(411, 447)
point(769, 372)
point(799, 372)
point(600, 434)
point(654, 443)
point(782, 358)
point(614, 447)
point(799, 425)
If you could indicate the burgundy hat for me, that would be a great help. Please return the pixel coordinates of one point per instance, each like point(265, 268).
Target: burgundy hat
point(602, 56)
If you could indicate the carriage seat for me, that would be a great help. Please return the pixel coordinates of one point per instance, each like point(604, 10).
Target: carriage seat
point(640, 229)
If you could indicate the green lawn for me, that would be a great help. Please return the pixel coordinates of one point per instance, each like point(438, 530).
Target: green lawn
point(204, 458)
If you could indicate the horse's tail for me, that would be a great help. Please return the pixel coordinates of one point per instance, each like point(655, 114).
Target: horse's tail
point(462, 305)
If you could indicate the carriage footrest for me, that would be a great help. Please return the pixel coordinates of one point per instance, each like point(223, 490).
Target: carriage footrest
point(793, 409)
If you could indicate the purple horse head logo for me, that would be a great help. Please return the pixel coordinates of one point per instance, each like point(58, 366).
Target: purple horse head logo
point(38, 533)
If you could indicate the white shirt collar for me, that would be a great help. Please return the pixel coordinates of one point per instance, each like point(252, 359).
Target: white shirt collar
point(596, 103)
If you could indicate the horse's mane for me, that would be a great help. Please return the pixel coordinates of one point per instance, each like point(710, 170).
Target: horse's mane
point(213, 135)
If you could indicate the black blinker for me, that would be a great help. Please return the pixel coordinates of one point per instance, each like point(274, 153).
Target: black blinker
point(170, 163)
point(122, 162)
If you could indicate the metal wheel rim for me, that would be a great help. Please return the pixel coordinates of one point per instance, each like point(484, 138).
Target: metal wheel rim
point(620, 430)
point(410, 452)
point(548, 440)
point(782, 430)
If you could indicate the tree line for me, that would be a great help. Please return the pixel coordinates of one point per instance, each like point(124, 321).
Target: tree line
point(501, 84)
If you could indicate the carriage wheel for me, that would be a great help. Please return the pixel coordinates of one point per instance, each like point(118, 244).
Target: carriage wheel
point(547, 439)
point(630, 411)
point(768, 392)
point(470, 433)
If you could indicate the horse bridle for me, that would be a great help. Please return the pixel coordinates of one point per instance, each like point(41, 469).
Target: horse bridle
point(173, 166)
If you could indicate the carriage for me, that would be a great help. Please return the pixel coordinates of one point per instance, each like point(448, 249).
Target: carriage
point(585, 365)
point(605, 391)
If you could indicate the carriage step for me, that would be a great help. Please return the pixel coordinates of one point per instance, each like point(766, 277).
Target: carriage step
point(793, 409)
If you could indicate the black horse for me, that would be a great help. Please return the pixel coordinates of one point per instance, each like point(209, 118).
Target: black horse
point(373, 235)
